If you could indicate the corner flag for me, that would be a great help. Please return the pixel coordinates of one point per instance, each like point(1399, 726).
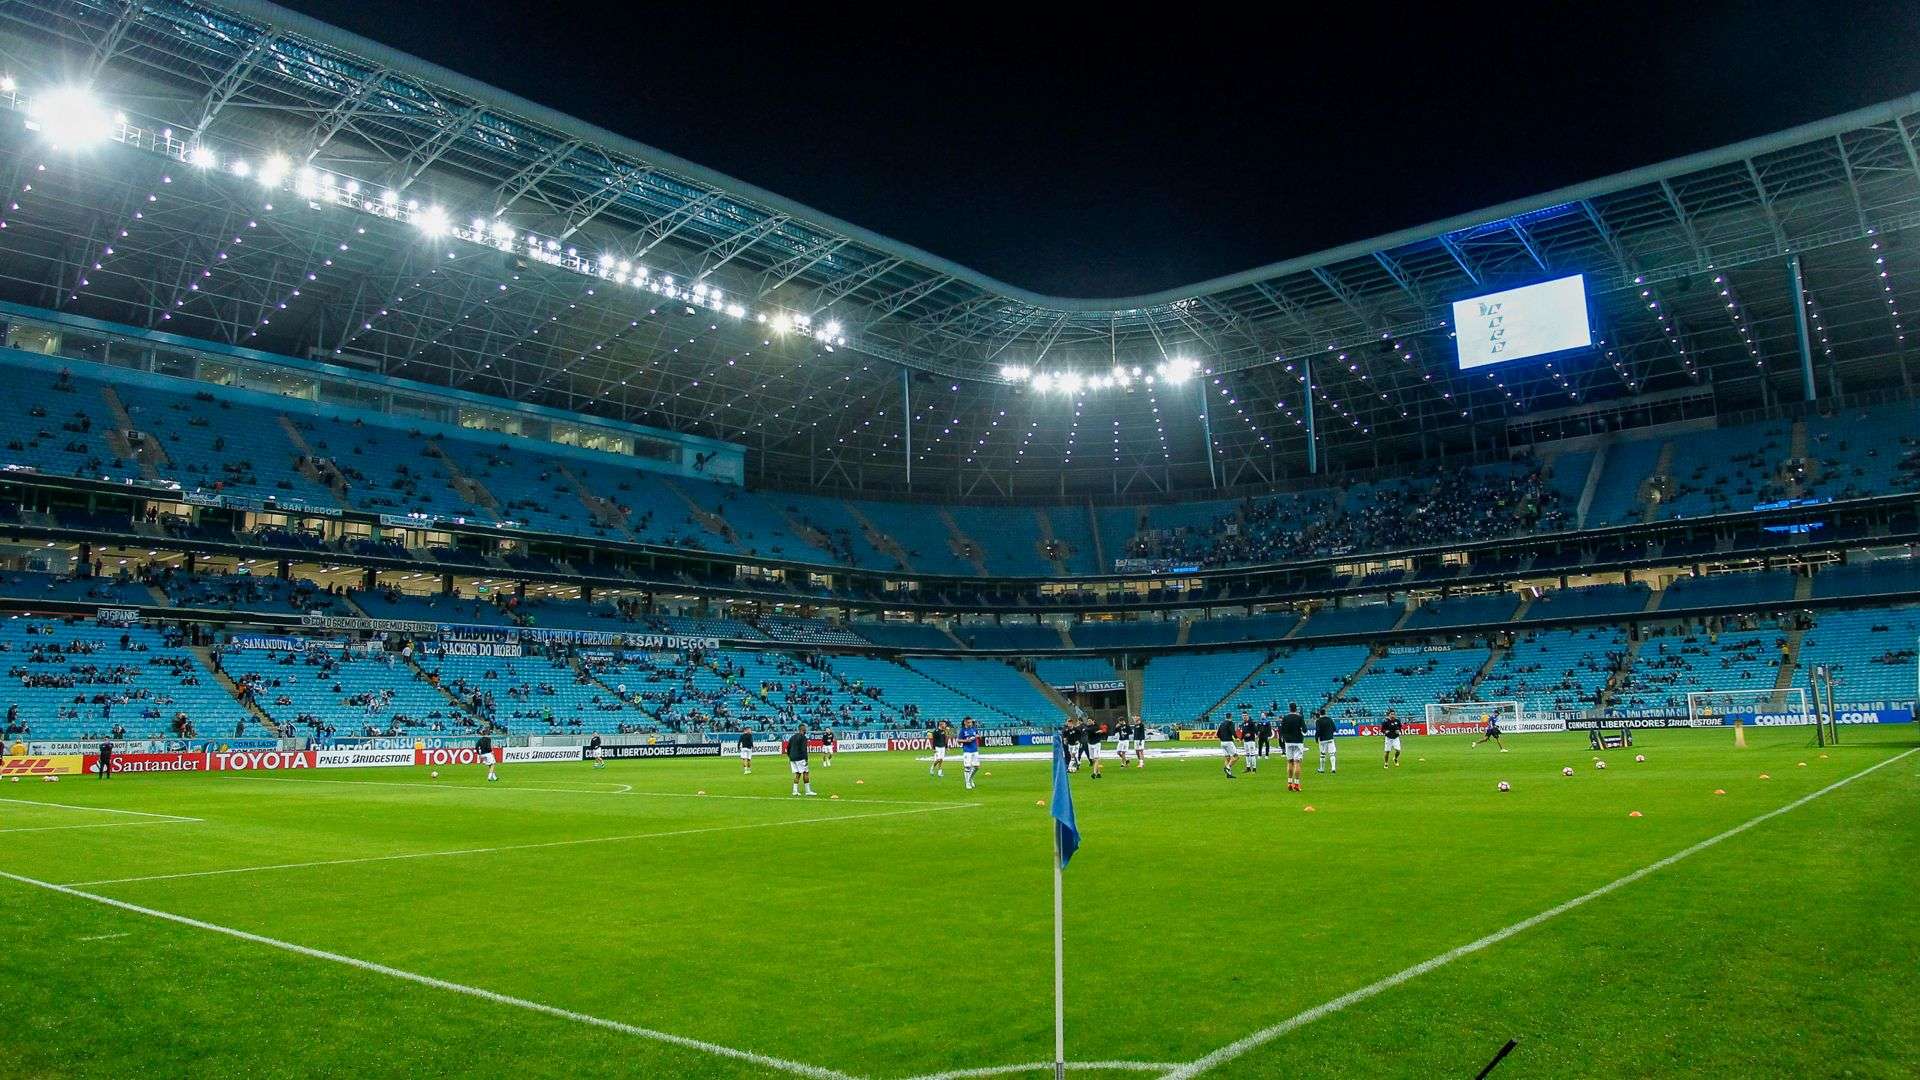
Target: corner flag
point(1066, 833)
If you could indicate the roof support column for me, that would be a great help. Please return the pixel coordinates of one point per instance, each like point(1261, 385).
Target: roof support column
point(1313, 438)
point(906, 419)
point(1206, 429)
point(1797, 285)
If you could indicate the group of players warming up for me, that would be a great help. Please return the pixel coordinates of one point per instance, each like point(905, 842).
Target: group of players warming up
point(1251, 739)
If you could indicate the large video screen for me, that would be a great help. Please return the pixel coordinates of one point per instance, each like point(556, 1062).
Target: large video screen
point(1519, 323)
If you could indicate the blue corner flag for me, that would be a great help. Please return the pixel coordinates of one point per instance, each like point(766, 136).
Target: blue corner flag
point(1066, 833)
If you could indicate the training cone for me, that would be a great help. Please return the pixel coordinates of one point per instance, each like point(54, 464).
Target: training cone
point(1803, 764)
point(1039, 802)
point(1764, 776)
point(1635, 813)
point(1719, 791)
point(833, 796)
point(859, 781)
point(1823, 757)
point(1307, 809)
point(702, 791)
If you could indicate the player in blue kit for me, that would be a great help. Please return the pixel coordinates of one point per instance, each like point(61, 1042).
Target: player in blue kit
point(969, 749)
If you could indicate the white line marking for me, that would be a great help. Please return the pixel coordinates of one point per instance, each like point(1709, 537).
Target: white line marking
point(1047, 1066)
point(97, 809)
point(103, 937)
point(1265, 1035)
point(763, 1060)
point(527, 847)
point(98, 825)
point(436, 786)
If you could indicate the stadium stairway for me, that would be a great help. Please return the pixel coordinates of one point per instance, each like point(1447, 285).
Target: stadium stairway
point(464, 485)
point(1494, 654)
point(814, 537)
point(1401, 621)
point(630, 698)
point(1099, 547)
point(1795, 479)
point(1592, 485)
point(1136, 680)
point(1358, 674)
point(1059, 699)
point(205, 656)
point(601, 511)
point(963, 545)
point(1066, 638)
point(1654, 488)
point(485, 725)
point(1520, 612)
point(1619, 679)
point(884, 544)
point(1047, 541)
point(1789, 665)
point(151, 453)
point(1259, 670)
point(1186, 631)
point(332, 481)
point(1654, 598)
point(932, 678)
point(708, 520)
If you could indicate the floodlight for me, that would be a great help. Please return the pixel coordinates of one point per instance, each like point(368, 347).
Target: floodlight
point(433, 221)
point(203, 157)
point(70, 116)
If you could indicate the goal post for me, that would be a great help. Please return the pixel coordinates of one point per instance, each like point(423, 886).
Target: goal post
point(1785, 707)
point(1462, 717)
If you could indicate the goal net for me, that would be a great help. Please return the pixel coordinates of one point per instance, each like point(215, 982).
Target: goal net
point(1762, 708)
point(1465, 717)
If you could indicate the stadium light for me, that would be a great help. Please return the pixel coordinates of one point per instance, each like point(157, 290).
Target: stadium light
point(273, 171)
point(433, 221)
point(70, 116)
point(203, 157)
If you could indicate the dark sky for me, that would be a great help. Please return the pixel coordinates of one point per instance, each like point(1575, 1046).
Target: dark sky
point(1114, 152)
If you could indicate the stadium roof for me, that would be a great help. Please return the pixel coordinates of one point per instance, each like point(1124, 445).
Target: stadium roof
point(1686, 260)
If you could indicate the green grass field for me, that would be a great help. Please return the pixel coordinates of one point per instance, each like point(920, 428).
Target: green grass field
point(904, 929)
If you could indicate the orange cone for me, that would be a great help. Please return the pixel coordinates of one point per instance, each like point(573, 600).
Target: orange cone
point(1719, 791)
point(1636, 813)
point(1308, 809)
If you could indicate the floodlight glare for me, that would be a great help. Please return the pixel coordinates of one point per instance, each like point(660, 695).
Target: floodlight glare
point(274, 171)
point(433, 221)
point(204, 157)
point(70, 116)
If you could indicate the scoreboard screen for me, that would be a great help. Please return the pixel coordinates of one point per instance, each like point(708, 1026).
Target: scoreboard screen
point(1516, 324)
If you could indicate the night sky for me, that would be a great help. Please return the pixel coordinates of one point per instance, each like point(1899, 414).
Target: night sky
point(1118, 152)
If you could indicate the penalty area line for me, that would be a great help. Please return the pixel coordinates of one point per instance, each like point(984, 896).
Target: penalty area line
point(1047, 1066)
point(685, 1042)
point(1298, 1020)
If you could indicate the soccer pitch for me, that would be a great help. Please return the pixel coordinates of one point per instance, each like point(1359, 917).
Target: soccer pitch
point(572, 922)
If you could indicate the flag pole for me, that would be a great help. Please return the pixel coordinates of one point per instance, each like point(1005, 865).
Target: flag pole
point(1059, 981)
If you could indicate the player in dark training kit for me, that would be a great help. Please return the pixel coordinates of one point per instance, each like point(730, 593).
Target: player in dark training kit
point(599, 753)
point(829, 745)
point(1293, 742)
point(1323, 732)
point(938, 737)
point(1249, 732)
point(485, 749)
point(746, 752)
point(1264, 728)
point(1390, 733)
point(797, 758)
point(1228, 747)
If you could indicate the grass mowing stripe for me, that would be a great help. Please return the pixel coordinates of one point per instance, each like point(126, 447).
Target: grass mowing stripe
point(575, 791)
point(97, 809)
point(1265, 1035)
point(98, 825)
point(816, 1072)
point(1042, 1066)
point(523, 847)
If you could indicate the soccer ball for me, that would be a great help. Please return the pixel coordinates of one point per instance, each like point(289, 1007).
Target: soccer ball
point(15, 779)
point(1639, 757)
point(1598, 764)
point(1568, 771)
point(1504, 786)
point(434, 775)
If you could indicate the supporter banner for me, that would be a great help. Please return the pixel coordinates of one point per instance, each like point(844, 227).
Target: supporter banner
point(1416, 727)
point(1155, 566)
point(664, 750)
point(264, 642)
point(480, 648)
point(242, 502)
point(117, 616)
point(357, 622)
point(541, 753)
point(142, 746)
point(48, 765)
point(1098, 686)
point(151, 763)
point(1873, 716)
point(268, 760)
point(362, 759)
point(394, 742)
